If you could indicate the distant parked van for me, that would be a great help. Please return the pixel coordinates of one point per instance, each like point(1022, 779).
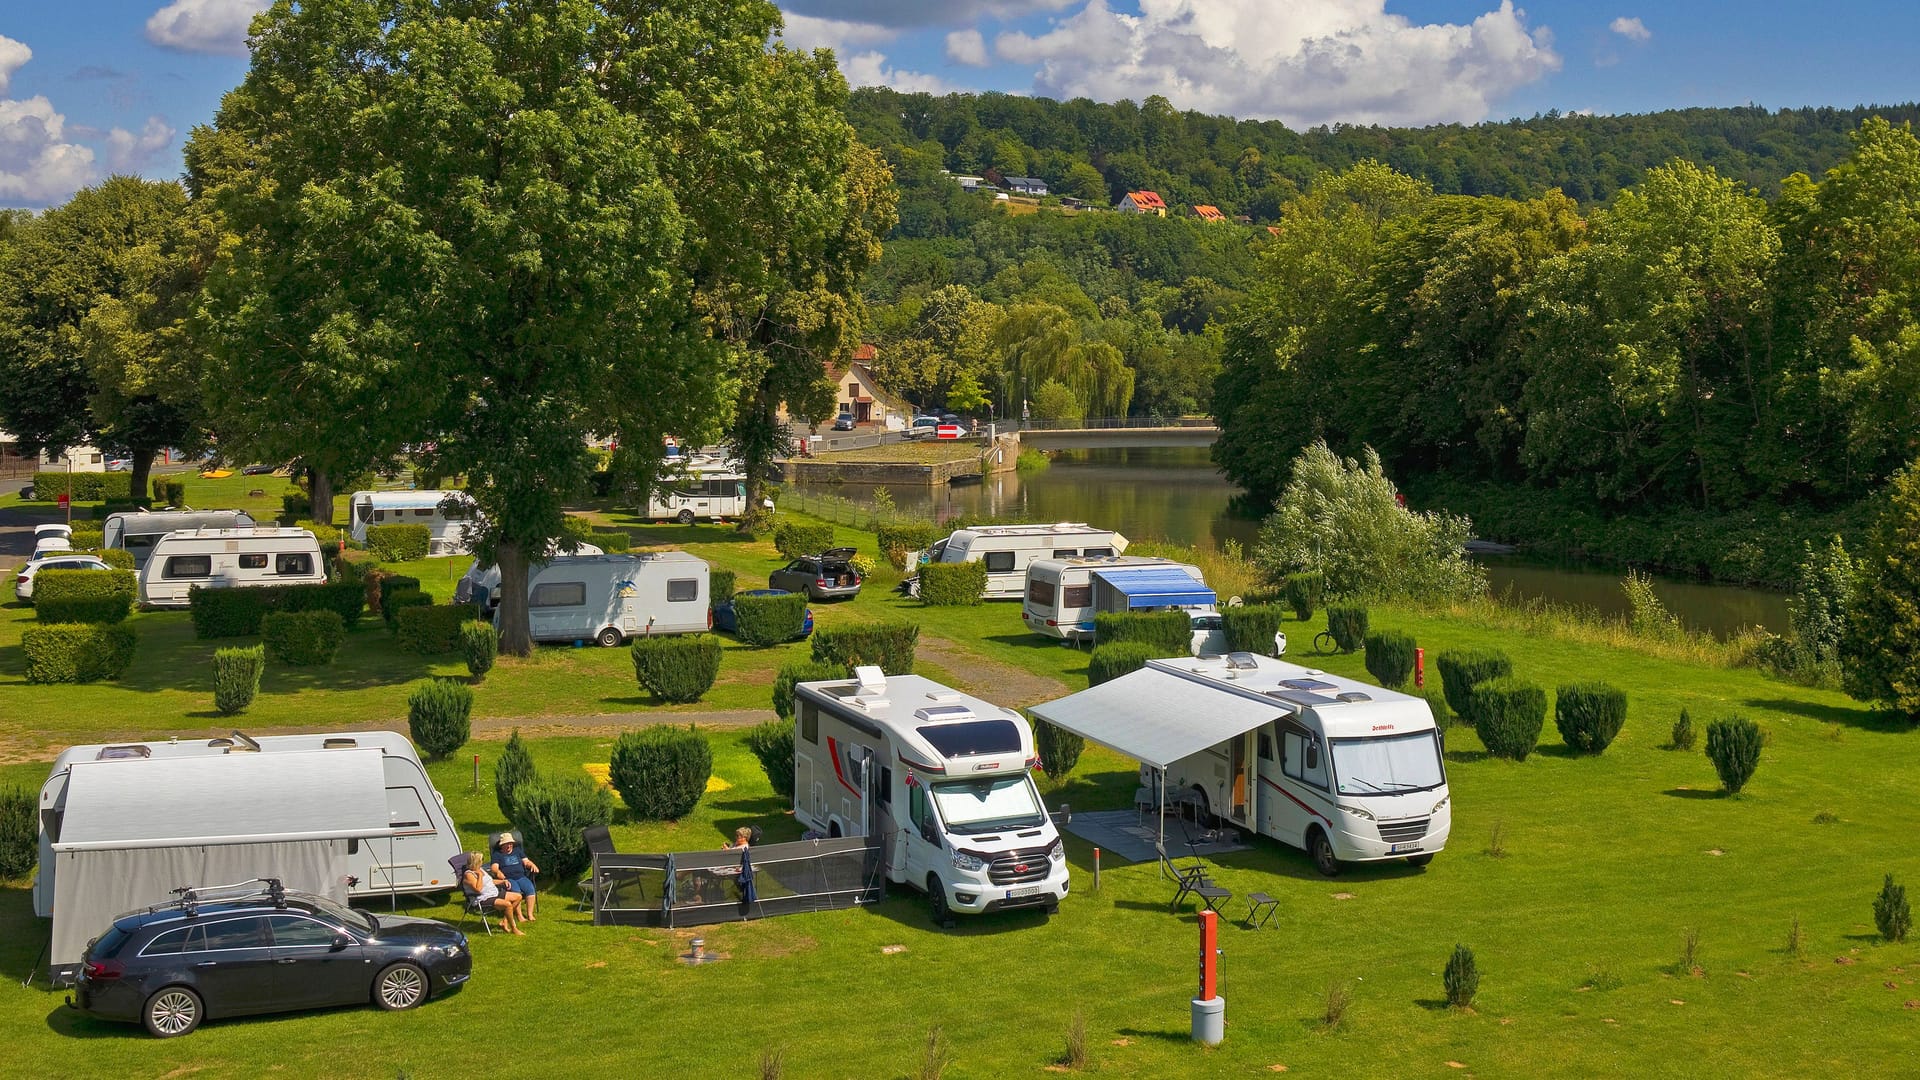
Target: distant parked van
point(137, 531)
point(609, 598)
point(1009, 549)
point(228, 558)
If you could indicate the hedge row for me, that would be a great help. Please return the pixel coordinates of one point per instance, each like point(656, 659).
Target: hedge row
point(86, 537)
point(82, 486)
point(795, 539)
point(1250, 628)
point(1169, 632)
point(118, 558)
point(899, 541)
point(237, 611)
point(1114, 659)
point(770, 620)
point(399, 543)
point(678, 668)
point(800, 671)
point(168, 491)
point(889, 644)
point(431, 629)
point(302, 638)
point(613, 543)
point(400, 600)
point(83, 596)
point(77, 652)
point(961, 584)
point(719, 586)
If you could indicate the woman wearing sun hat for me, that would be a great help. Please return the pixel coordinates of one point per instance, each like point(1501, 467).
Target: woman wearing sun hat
point(518, 870)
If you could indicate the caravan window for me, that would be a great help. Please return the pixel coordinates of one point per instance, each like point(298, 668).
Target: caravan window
point(917, 804)
point(999, 562)
point(1041, 592)
point(255, 561)
point(425, 511)
point(1078, 596)
point(297, 562)
point(682, 590)
point(188, 566)
point(138, 541)
point(363, 511)
point(1266, 746)
point(558, 594)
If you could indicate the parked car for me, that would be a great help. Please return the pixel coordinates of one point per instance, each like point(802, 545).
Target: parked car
point(120, 464)
point(923, 427)
point(843, 422)
point(725, 619)
point(23, 582)
point(259, 470)
point(173, 965)
point(826, 576)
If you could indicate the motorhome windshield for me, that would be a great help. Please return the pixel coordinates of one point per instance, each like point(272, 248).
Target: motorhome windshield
point(977, 806)
point(972, 738)
point(1388, 765)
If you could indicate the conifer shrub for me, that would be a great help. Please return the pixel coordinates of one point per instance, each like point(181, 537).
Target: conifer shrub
point(1250, 627)
point(961, 584)
point(438, 716)
point(1059, 748)
point(772, 744)
point(1390, 657)
point(1589, 715)
point(1168, 633)
point(1461, 978)
point(514, 768)
point(301, 638)
point(1304, 591)
point(1733, 745)
point(889, 645)
point(236, 677)
point(795, 539)
point(1348, 625)
point(1463, 669)
point(1508, 713)
point(480, 645)
point(399, 543)
point(1683, 736)
point(1891, 913)
point(661, 771)
point(1114, 659)
point(769, 620)
point(677, 668)
point(552, 814)
point(799, 671)
point(19, 832)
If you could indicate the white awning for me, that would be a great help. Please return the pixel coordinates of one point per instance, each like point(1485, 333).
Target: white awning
point(1156, 717)
point(225, 799)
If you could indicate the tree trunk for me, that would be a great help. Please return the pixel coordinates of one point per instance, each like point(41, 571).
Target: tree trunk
point(139, 477)
point(320, 490)
point(516, 636)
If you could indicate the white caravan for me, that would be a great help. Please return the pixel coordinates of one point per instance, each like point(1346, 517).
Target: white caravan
point(444, 513)
point(609, 598)
point(137, 531)
point(941, 779)
point(1063, 595)
point(1345, 770)
point(709, 493)
point(481, 584)
point(228, 558)
point(121, 825)
point(1009, 549)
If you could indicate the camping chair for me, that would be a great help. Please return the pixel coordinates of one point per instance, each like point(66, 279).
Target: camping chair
point(473, 905)
point(599, 842)
point(1192, 880)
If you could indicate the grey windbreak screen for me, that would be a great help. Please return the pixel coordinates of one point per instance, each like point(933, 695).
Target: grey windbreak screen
point(695, 888)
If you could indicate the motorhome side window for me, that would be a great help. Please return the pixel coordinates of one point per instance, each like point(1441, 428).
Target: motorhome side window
point(1065, 553)
point(1292, 754)
point(809, 722)
point(1041, 592)
point(298, 562)
point(886, 785)
point(188, 566)
point(1314, 764)
point(253, 561)
point(1078, 596)
point(681, 590)
point(558, 594)
point(1266, 747)
point(999, 562)
point(917, 806)
point(1097, 553)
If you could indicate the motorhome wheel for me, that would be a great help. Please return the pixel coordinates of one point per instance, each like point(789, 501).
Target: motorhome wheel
point(1420, 860)
point(685, 517)
point(610, 638)
point(937, 898)
point(1203, 810)
point(1321, 849)
point(173, 1011)
point(401, 986)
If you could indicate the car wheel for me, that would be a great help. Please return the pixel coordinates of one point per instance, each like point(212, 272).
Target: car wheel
point(1321, 849)
point(685, 517)
point(1420, 860)
point(172, 1012)
point(937, 901)
point(401, 986)
point(611, 637)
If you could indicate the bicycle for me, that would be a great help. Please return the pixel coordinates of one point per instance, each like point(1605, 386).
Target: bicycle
point(1323, 642)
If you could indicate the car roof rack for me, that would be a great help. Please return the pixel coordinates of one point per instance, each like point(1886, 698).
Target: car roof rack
point(192, 896)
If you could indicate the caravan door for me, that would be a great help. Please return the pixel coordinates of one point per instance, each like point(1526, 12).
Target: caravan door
point(404, 865)
point(557, 610)
point(1240, 780)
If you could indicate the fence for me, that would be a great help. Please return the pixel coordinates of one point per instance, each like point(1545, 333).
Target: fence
point(695, 888)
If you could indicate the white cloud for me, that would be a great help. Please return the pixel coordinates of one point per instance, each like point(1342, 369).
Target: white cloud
point(1631, 28)
point(127, 152)
point(38, 166)
point(918, 13)
point(871, 69)
point(840, 35)
point(204, 26)
point(863, 66)
point(1305, 63)
point(13, 56)
point(967, 47)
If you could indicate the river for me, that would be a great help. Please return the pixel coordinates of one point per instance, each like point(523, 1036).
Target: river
point(1175, 494)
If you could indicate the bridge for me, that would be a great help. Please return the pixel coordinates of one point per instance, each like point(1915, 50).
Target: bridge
point(1115, 433)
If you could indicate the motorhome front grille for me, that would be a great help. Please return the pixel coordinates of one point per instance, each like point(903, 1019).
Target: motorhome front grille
point(1016, 867)
point(1399, 832)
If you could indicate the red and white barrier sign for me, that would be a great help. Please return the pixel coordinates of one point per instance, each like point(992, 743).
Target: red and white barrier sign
point(947, 431)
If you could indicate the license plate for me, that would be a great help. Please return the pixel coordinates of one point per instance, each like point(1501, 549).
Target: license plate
point(1029, 890)
point(1403, 849)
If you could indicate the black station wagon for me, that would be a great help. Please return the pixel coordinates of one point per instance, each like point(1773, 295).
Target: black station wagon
point(172, 966)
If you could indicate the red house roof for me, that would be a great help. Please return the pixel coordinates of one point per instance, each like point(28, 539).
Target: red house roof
point(1147, 200)
point(1208, 213)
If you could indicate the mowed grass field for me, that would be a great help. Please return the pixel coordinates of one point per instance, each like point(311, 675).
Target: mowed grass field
point(1608, 863)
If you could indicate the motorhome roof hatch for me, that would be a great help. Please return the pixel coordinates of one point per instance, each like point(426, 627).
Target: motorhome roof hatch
point(870, 679)
point(1303, 698)
point(1305, 684)
point(940, 714)
point(1242, 661)
point(1354, 695)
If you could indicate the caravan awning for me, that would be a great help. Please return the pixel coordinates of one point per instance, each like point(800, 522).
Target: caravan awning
point(1156, 586)
point(164, 802)
point(1156, 717)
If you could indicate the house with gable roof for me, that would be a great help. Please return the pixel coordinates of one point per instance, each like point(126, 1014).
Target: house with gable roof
point(1142, 202)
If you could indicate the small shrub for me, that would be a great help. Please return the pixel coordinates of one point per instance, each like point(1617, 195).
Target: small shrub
point(935, 1056)
point(1508, 713)
point(773, 1063)
point(889, 645)
point(1461, 978)
point(799, 671)
point(77, 652)
point(301, 638)
point(169, 492)
point(900, 540)
point(1683, 737)
point(1076, 1057)
point(1826, 817)
point(1250, 627)
point(514, 768)
point(1891, 913)
point(795, 539)
point(1390, 657)
point(551, 814)
point(772, 744)
point(1437, 705)
point(1168, 633)
point(438, 714)
point(1463, 669)
point(399, 600)
point(294, 506)
point(677, 669)
point(1589, 715)
point(399, 543)
point(236, 677)
point(961, 584)
point(1114, 659)
point(224, 613)
point(83, 487)
point(1733, 745)
point(83, 596)
point(1689, 953)
point(1059, 749)
point(1647, 616)
point(19, 832)
point(1333, 1008)
point(1348, 625)
point(480, 644)
point(719, 586)
point(661, 771)
point(384, 584)
point(769, 620)
point(430, 629)
point(1303, 592)
point(1602, 979)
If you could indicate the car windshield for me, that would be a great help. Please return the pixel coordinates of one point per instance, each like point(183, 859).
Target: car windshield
point(1388, 765)
point(977, 806)
point(353, 920)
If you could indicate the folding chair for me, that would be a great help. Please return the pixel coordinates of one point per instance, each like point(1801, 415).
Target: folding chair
point(473, 905)
point(1260, 904)
point(1192, 880)
point(599, 842)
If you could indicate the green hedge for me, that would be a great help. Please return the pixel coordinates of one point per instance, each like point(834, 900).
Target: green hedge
point(514, 768)
point(86, 538)
point(118, 558)
point(84, 487)
point(719, 586)
point(1589, 715)
point(346, 599)
point(19, 832)
point(678, 668)
point(770, 620)
point(1508, 713)
point(1390, 657)
point(388, 584)
point(327, 535)
point(1303, 592)
point(961, 584)
point(1348, 625)
point(83, 596)
point(301, 638)
point(661, 771)
point(236, 612)
point(800, 671)
point(889, 644)
point(236, 677)
point(902, 539)
point(613, 543)
point(77, 652)
point(1170, 632)
point(431, 629)
point(1250, 628)
point(168, 491)
point(294, 506)
point(1463, 669)
point(795, 539)
point(438, 716)
point(400, 600)
point(552, 815)
point(1114, 659)
point(772, 743)
point(398, 543)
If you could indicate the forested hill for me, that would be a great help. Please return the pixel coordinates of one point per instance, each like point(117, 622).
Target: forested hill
point(1097, 152)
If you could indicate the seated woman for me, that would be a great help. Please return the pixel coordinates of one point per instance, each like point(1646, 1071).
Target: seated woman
point(491, 893)
point(517, 870)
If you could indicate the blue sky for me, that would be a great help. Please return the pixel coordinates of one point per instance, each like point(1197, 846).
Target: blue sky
point(94, 87)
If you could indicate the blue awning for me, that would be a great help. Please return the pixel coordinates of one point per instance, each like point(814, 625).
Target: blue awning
point(1156, 586)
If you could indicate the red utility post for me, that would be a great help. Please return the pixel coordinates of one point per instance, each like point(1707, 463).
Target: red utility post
point(1419, 667)
point(1209, 953)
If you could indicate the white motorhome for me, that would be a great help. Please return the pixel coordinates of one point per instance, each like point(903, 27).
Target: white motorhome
point(122, 825)
point(1009, 549)
point(228, 558)
point(444, 513)
point(1345, 770)
point(609, 598)
point(1063, 595)
point(941, 779)
point(481, 584)
point(137, 531)
point(709, 492)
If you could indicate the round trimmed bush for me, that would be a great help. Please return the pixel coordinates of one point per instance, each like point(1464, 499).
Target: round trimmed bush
point(661, 771)
point(1589, 715)
point(514, 768)
point(1733, 745)
point(480, 644)
point(677, 669)
point(772, 743)
point(1508, 713)
point(800, 671)
point(438, 714)
point(1348, 625)
point(236, 677)
point(1390, 657)
point(551, 814)
point(1110, 661)
point(1463, 669)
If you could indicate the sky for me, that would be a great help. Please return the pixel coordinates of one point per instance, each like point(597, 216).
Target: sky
point(93, 88)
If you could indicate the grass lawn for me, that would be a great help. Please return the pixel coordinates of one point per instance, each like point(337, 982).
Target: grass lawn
point(1608, 862)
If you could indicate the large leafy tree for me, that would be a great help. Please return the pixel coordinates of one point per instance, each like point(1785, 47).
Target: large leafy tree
point(1880, 648)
